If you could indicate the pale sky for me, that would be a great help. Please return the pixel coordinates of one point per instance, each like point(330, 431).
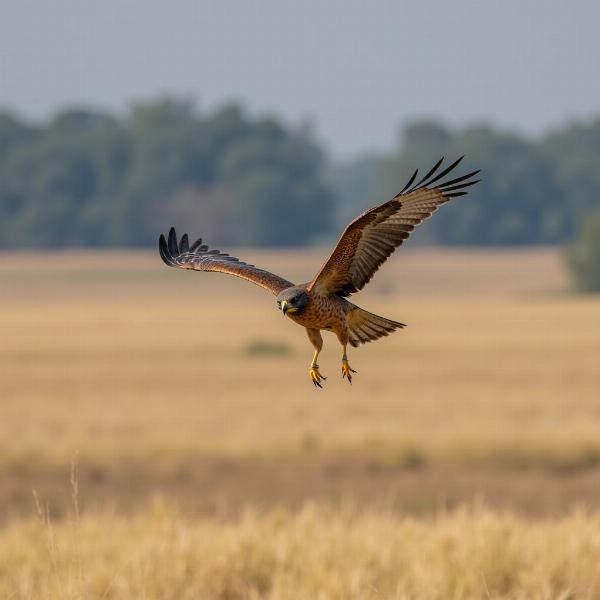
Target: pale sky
point(357, 69)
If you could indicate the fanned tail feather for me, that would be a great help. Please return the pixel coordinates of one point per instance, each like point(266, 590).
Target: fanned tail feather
point(364, 326)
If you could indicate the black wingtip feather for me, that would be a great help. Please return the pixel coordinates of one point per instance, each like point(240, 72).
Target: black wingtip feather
point(445, 171)
point(184, 244)
point(423, 180)
point(163, 250)
point(196, 245)
point(460, 186)
point(172, 242)
point(456, 180)
point(414, 175)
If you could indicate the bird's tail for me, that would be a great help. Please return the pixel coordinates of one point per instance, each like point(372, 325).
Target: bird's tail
point(364, 326)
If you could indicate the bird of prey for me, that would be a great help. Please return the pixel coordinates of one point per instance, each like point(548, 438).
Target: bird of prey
point(364, 246)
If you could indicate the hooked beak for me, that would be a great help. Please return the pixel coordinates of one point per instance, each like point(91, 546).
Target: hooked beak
point(286, 308)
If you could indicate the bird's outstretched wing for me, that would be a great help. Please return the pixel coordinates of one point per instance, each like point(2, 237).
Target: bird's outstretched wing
point(199, 257)
point(370, 239)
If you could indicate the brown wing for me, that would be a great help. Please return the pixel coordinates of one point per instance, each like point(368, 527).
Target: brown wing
point(370, 239)
point(199, 257)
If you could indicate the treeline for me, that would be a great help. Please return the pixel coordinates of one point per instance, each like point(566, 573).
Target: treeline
point(532, 191)
point(88, 178)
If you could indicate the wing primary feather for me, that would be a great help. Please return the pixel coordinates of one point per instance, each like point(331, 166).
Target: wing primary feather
point(457, 180)
point(414, 175)
point(196, 245)
point(162, 244)
point(173, 248)
point(164, 250)
point(435, 167)
point(460, 186)
point(184, 244)
point(445, 171)
point(455, 194)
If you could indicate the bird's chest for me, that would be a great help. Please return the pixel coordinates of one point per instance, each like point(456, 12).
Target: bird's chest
point(321, 313)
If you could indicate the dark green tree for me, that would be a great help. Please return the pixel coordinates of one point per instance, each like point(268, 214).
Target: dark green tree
point(583, 257)
point(531, 192)
point(86, 178)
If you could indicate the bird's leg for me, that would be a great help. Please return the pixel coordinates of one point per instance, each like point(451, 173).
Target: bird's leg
point(314, 335)
point(315, 375)
point(347, 370)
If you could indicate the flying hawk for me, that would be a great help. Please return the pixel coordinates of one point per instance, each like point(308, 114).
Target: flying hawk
point(363, 247)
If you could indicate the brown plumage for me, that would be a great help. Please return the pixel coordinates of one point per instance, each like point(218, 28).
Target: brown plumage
point(363, 247)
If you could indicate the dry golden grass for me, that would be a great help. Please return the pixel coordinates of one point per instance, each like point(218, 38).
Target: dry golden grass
point(99, 351)
point(193, 387)
point(97, 355)
point(180, 382)
point(315, 553)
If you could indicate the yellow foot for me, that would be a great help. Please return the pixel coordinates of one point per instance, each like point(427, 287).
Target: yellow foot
point(347, 370)
point(315, 376)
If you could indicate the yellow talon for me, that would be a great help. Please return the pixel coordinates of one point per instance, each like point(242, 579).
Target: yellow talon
point(316, 376)
point(347, 370)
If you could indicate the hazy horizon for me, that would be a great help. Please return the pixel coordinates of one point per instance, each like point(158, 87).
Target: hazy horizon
point(356, 72)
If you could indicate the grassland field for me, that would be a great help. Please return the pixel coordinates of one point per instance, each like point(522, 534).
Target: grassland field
point(184, 402)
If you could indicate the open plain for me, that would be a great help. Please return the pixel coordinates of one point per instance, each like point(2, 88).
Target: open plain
point(187, 395)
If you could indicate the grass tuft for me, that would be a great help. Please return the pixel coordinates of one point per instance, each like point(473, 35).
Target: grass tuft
point(267, 348)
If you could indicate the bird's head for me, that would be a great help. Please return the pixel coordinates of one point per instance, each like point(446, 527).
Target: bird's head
point(292, 300)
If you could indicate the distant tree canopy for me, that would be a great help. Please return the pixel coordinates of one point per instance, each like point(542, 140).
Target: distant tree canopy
point(87, 178)
point(532, 191)
point(583, 257)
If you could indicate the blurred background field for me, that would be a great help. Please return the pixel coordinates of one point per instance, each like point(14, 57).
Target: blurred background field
point(161, 438)
point(194, 387)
